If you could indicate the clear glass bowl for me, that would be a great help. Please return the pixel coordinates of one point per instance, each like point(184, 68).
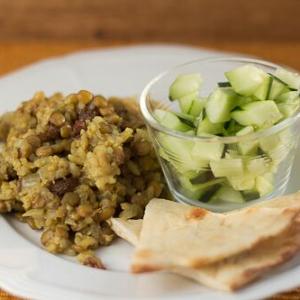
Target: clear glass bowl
point(187, 160)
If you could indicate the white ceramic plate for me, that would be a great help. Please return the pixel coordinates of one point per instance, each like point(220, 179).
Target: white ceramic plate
point(29, 271)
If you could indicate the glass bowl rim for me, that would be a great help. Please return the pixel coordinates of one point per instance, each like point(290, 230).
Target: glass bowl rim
point(150, 119)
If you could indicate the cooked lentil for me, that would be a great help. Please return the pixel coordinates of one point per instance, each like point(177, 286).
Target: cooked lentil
point(68, 164)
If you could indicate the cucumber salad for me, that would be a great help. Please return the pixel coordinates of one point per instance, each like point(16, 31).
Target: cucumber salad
point(250, 101)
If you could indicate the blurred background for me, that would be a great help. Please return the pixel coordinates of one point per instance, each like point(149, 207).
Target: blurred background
point(33, 29)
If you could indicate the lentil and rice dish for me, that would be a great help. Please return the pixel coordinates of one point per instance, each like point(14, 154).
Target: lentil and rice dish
point(68, 164)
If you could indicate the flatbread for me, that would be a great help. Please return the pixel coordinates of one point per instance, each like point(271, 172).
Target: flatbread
point(291, 200)
point(128, 230)
point(177, 235)
point(236, 271)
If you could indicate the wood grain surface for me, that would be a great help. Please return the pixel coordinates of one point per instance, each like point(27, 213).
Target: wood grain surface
point(17, 54)
point(151, 20)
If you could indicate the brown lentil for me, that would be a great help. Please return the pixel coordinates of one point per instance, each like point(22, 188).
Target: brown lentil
point(65, 131)
point(44, 151)
point(57, 119)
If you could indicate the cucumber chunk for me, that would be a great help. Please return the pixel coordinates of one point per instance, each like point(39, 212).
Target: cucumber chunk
point(197, 107)
point(196, 191)
point(258, 114)
point(190, 190)
point(184, 85)
point(246, 130)
point(288, 97)
point(288, 103)
point(207, 151)
point(232, 127)
point(227, 167)
point(245, 80)
point(263, 91)
point(244, 100)
point(288, 109)
point(219, 105)
point(185, 102)
point(202, 177)
point(263, 185)
point(186, 118)
point(170, 120)
point(247, 147)
point(268, 143)
point(180, 154)
point(290, 78)
point(206, 127)
point(227, 194)
point(242, 183)
point(250, 195)
point(277, 88)
point(258, 166)
point(190, 132)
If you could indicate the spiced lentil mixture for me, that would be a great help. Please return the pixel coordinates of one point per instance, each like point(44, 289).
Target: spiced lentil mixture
point(68, 164)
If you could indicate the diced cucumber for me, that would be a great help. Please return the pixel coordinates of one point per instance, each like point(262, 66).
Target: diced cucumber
point(247, 147)
point(179, 166)
point(277, 88)
point(190, 132)
point(290, 78)
point(178, 153)
point(231, 151)
point(202, 177)
point(219, 105)
point(206, 127)
point(268, 143)
point(245, 80)
point(288, 103)
point(246, 130)
point(226, 194)
point(288, 97)
point(197, 107)
point(288, 109)
point(190, 190)
point(263, 185)
point(244, 100)
point(185, 102)
point(242, 183)
point(285, 144)
point(258, 166)
point(250, 195)
point(192, 174)
point(170, 120)
point(232, 127)
point(186, 118)
point(207, 151)
point(184, 85)
point(263, 91)
point(227, 167)
point(259, 114)
point(196, 191)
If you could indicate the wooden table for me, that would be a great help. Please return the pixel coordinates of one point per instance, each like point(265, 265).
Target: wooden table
point(14, 55)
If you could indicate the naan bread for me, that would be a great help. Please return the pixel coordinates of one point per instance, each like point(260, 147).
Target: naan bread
point(128, 230)
point(282, 201)
point(235, 271)
point(177, 235)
